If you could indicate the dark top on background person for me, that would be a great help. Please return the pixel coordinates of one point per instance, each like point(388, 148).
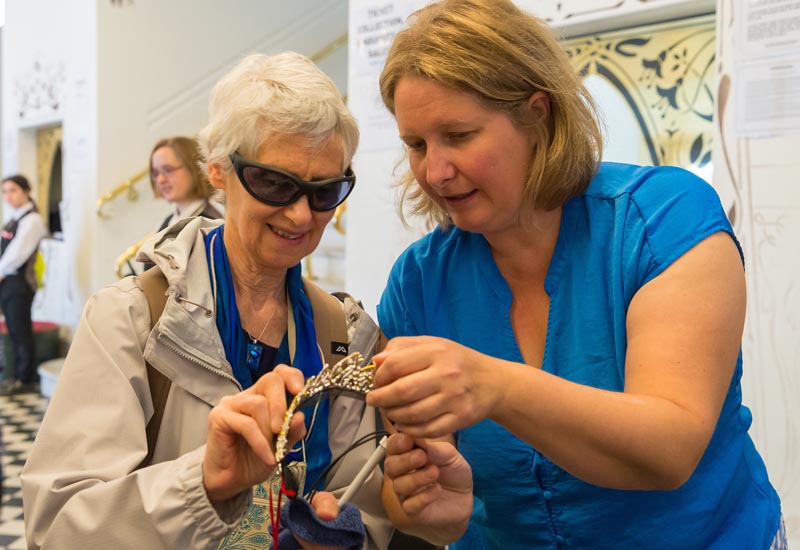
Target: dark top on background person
point(18, 283)
point(237, 312)
point(573, 328)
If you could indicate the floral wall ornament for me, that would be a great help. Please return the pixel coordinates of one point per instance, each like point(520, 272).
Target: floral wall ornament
point(38, 93)
point(665, 75)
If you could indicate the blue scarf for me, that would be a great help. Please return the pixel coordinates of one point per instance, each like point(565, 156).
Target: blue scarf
point(306, 357)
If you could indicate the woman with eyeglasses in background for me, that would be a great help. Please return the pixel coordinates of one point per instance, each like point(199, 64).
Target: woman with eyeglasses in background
point(176, 176)
point(279, 143)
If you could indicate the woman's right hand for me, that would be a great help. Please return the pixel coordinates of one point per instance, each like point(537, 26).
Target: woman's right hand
point(240, 445)
point(433, 484)
point(429, 387)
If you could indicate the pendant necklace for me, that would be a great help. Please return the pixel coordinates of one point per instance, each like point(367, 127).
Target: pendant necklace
point(255, 348)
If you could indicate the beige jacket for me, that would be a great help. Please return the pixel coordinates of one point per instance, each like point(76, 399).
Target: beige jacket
point(81, 486)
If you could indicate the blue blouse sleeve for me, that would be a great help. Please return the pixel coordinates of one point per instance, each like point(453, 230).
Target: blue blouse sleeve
point(675, 211)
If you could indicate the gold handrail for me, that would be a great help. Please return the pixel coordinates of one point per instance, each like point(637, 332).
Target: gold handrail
point(125, 186)
point(129, 253)
point(330, 48)
point(337, 217)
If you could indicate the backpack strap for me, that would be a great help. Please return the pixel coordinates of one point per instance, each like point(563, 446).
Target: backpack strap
point(154, 285)
point(330, 323)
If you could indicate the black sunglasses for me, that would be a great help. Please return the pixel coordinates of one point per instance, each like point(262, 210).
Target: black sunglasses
point(275, 187)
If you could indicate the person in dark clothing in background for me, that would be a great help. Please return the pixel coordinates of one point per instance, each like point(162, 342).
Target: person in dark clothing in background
point(20, 242)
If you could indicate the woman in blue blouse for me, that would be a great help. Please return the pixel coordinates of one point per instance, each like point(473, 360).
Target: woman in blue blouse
point(570, 333)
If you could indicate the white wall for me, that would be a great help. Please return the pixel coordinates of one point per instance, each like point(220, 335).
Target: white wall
point(375, 235)
point(127, 74)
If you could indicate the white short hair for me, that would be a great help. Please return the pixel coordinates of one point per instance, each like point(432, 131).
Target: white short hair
point(266, 95)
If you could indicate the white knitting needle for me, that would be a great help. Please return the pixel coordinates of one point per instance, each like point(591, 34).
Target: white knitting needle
point(376, 456)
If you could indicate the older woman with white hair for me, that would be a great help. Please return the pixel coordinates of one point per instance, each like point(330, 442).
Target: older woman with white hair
point(237, 333)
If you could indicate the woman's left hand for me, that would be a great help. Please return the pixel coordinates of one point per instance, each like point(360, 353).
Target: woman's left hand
point(240, 446)
point(432, 483)
point(430, 387)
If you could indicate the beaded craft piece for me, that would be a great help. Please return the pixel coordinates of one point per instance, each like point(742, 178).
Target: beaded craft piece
point(348, 376)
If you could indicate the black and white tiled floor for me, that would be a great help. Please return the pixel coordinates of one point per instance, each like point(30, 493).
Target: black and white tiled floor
point(20, 417)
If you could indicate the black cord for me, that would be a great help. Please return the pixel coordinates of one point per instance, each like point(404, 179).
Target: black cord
point(365, 439)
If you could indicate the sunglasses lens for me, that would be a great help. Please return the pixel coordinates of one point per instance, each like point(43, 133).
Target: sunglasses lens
point(278, 189)
point(330, 196)
point(272, 187)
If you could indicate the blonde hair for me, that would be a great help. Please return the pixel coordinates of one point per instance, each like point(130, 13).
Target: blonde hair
point(501, 55)
point(188, 152)
point(265, 95)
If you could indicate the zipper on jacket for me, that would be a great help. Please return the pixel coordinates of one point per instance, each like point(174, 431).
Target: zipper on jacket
point(171, 345)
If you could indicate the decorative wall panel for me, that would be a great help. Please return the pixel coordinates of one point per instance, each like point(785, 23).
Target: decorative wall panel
point(654, 86)
point(38, 92)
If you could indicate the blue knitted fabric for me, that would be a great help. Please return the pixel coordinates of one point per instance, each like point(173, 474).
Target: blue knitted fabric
point(299, 520)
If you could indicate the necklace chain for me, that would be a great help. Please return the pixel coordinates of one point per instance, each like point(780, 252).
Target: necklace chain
point(263, 330)
point(260, 334)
